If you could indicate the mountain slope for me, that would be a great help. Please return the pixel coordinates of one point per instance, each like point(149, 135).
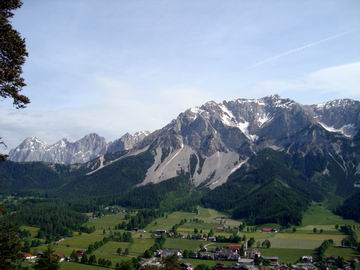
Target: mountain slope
point(210, 142)
point(350, 209)
point(265, 147)
point(258, 190)
point(117, 179)
point(32, 176)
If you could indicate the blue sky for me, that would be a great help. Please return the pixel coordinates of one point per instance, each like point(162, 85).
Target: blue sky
point(116, 66)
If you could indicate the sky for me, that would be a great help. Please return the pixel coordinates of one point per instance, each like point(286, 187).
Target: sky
point(119, 66)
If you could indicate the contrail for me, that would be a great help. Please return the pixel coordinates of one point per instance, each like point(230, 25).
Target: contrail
point(312, 44)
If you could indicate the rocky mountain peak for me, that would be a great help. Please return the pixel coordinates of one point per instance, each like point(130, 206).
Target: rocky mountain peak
point(127, 141)
point(63, 151)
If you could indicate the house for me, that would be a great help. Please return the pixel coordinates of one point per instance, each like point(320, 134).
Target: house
point(234, 247)
point(159, 233)
point(304, 266)
point(269, 230)
point(206, 255)
point(166, 252)
point(79, 254)
point(245, 261)
point(252, 253)
point(226, 254)
point(307, 259)
point(211, 238)
point(40, 253)
point(27, 256)
point(274, 260)
point(150, 263)
point(186, 266)
point(60, 256)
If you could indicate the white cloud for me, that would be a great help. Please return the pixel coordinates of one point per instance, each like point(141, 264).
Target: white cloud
point(112, 109)
point(342, 81)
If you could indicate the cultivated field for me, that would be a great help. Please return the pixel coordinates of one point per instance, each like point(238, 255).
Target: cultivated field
point(287, 245)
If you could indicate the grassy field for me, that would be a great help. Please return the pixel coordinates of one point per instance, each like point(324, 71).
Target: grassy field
point(138, 247)
point(108, 251)
point(288, 245)
point(77, 242)
point(168, 221)
point(33, 230)
point(212, 216)
point(106, 222)
point(287, 255)
point(317, 214)
point(82, 241)
point(302, 240)
point(211, 220)
point(184, 244)
point(346, 253)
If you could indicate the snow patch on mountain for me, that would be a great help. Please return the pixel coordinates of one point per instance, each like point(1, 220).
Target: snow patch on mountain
point(341, 130)
point(263, 119)
point(229, 119)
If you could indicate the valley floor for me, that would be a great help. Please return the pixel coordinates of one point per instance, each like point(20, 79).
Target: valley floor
point(289, 245)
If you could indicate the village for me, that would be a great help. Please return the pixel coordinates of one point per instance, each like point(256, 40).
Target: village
point(227, 253)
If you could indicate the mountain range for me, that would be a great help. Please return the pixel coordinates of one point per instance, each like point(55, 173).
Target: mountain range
point(65, 152)
point(238, 154)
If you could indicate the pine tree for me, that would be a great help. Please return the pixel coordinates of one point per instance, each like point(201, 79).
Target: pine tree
point(12, 57)
point(9, 245)
point(92, 259)
point(48, 261)
point(84, 259)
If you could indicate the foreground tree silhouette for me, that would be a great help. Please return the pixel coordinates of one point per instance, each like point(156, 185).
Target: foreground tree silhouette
point(9, 245)
point(171, 263)
point(48, 261)
point(12, 57)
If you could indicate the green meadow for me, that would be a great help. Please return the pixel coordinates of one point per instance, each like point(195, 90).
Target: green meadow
point(287, 255)
point(289, 246)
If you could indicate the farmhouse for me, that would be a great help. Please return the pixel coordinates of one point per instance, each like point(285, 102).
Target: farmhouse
point(304, 266)
point(269, 230)
point(234, 247)
point(307, 259)
point(159, 233)
point(79, 254)
point(166, 252)
point(211, 238)
point(252, 253)
point(245, 261)
point(27, 256)
point(150, 263)
point(220, 254)
point(226, 254)
point(60, 256)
